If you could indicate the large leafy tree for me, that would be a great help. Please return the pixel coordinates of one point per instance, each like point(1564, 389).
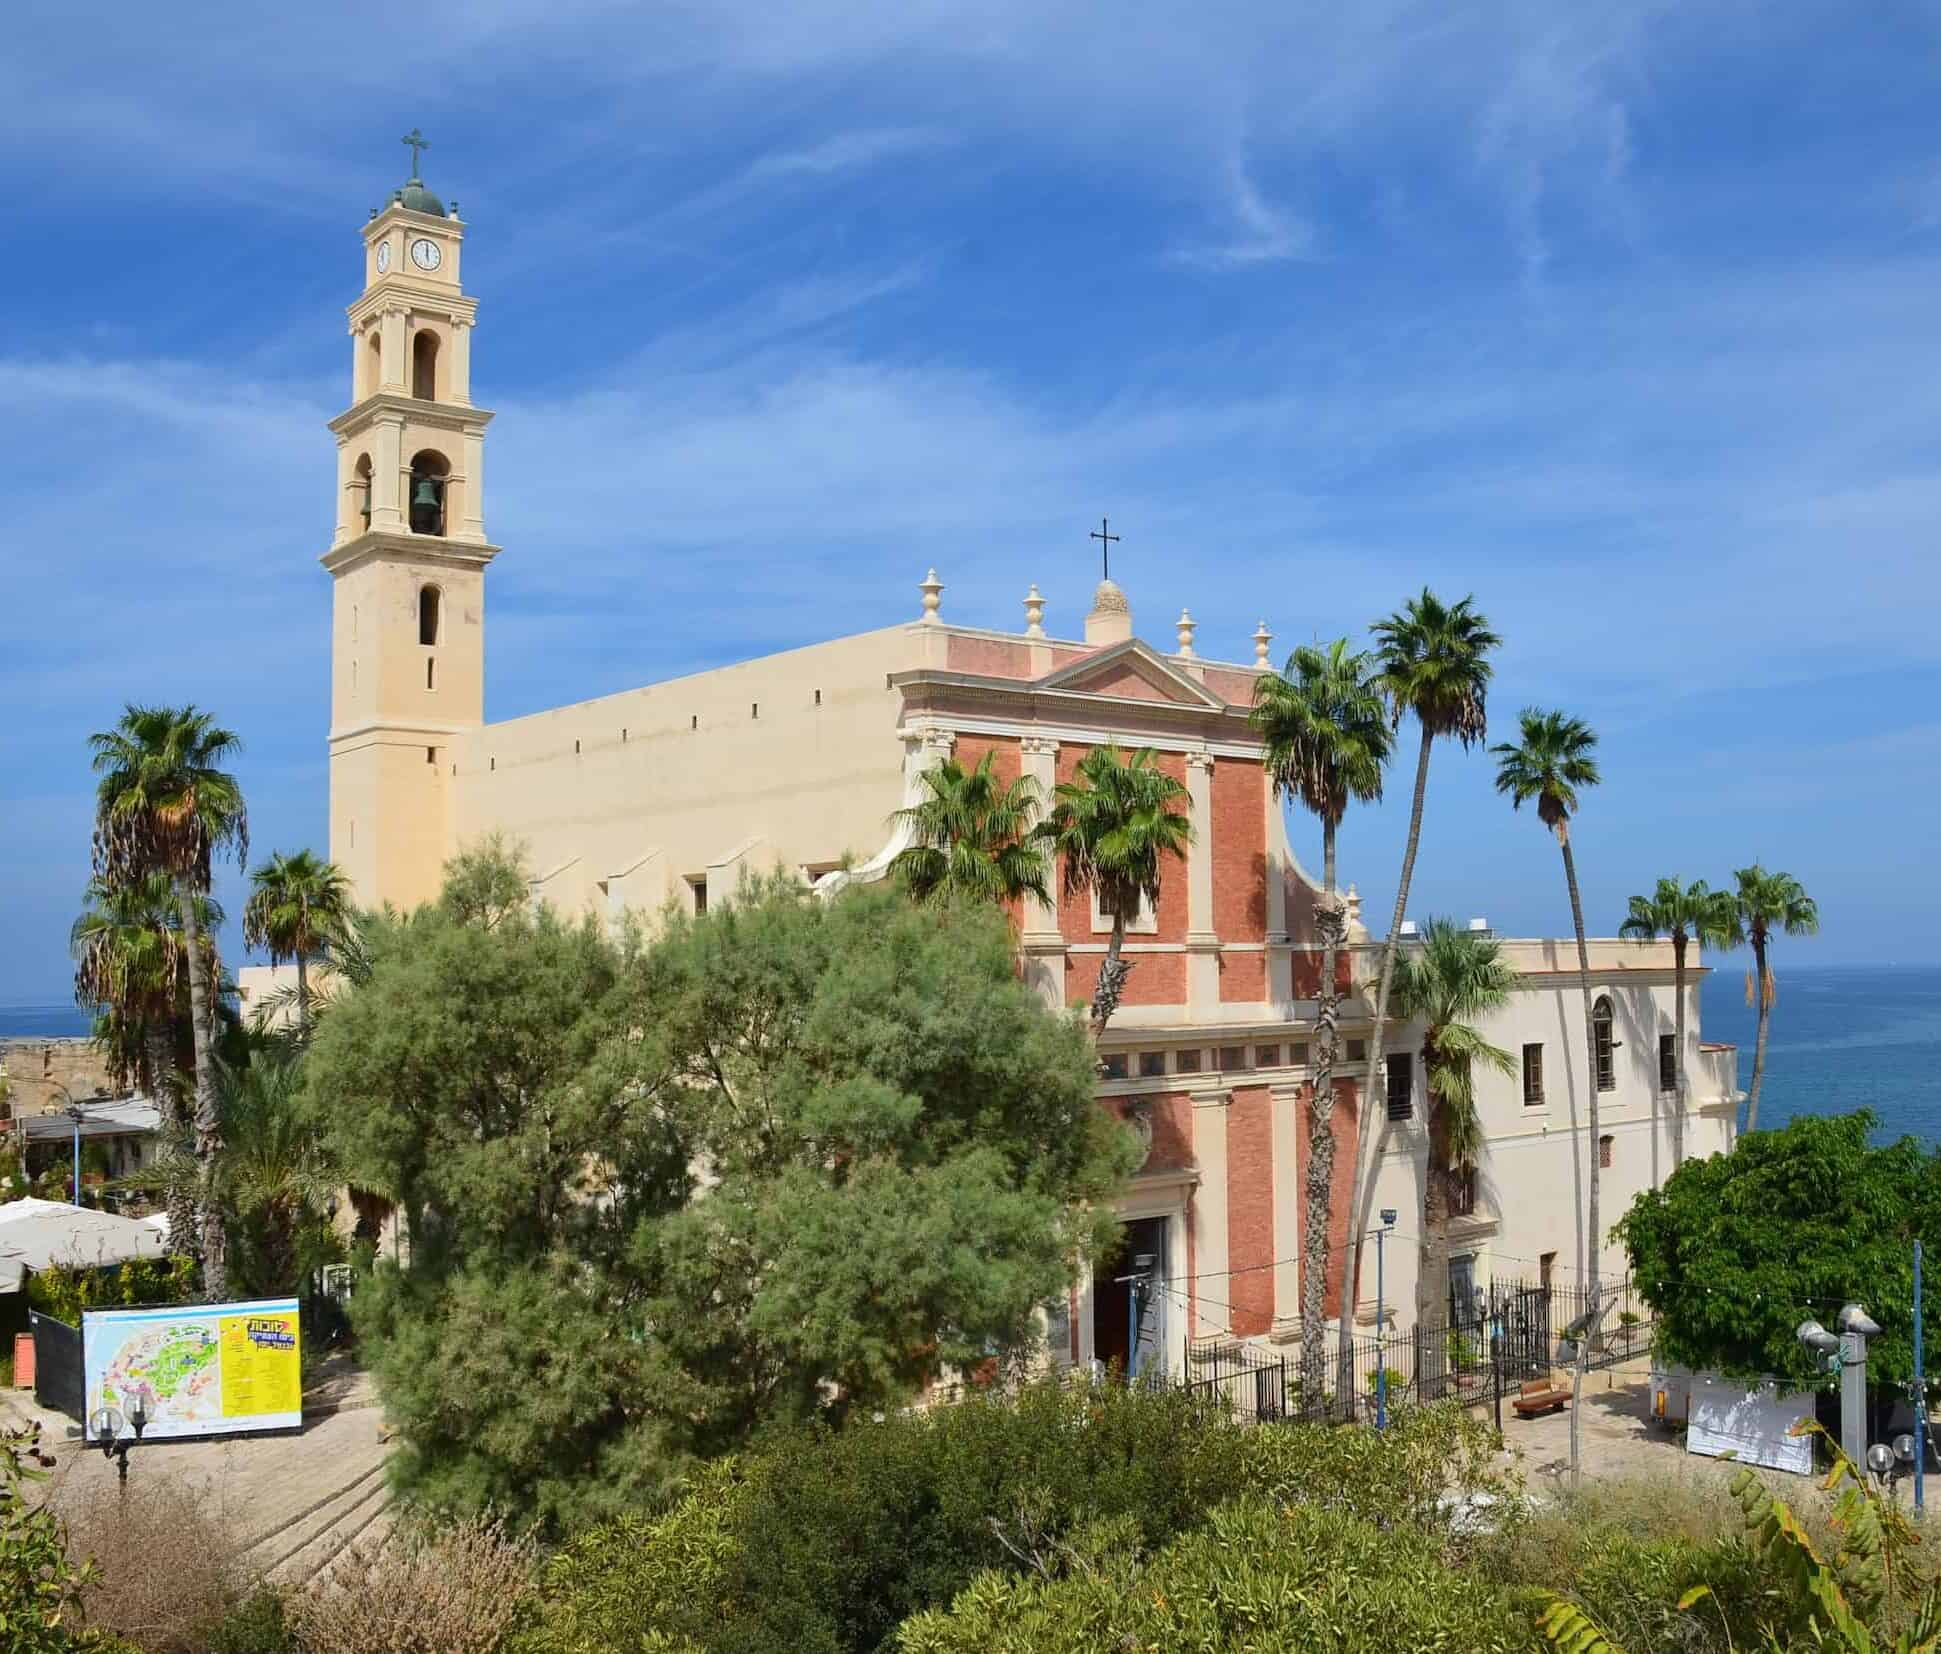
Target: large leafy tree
point(1764, 903)
point(1449, 983)
point(1327, 738)
point(1115, 825)
point(786, 1160)
point(165, 805)
point(298, 905)
point(1683, 913)
point(972, 837)
point(1432, 663)
point(1737, 1249)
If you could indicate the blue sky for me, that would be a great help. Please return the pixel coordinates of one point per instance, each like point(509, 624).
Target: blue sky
point(1623, 318)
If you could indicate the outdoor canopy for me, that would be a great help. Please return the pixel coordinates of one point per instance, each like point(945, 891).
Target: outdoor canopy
point(38, 1234)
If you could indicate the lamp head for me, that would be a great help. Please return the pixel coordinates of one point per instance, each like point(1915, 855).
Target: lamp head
point(1815, 1337)
point(1855, 1319)
point(1388, 1217)
point(106, 1423)
point(1904, 1447)
point(1880, 1458)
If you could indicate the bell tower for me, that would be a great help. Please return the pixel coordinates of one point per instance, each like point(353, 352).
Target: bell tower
point(407, 561)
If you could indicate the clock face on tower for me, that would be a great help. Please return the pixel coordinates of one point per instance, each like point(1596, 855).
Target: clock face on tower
point(425, 254)
point(383, 257)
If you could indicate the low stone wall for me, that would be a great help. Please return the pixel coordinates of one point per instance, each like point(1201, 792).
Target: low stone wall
point(43, 1073)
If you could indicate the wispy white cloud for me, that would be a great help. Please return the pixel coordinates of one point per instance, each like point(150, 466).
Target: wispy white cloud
point(848, 151)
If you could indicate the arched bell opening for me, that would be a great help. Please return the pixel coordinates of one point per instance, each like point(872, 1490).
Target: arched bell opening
point(372, 375)
point(360, 489)
point(424, 365)
point(430, 483)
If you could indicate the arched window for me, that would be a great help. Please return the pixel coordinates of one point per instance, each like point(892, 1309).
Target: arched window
point(361, 487)
point(1603, 1044)
point(427, 614)
point(373, 362)
point(424, 365)
point(429, 473)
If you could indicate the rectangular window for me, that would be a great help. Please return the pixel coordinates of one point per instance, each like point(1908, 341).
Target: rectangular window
point(1667, 1062)
point(698, 883)
point(1117, 1066)
point(1605, 1047)
point(1358, 1050)
point(1546, 1266)
point(1298, 1055)
point(1233, 1059)
point(1604, 1152)
point(1152, 1064)
point(1267, 1056)
point(1186, 1061)
point(1401, 1086)
point(1533, 1076)
point(1462, 1192)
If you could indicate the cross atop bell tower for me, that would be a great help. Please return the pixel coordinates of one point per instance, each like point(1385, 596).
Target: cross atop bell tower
point(409, 552)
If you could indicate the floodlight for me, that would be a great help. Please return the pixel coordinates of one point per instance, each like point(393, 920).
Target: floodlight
point(1855, 1319)
point(1816, 1337)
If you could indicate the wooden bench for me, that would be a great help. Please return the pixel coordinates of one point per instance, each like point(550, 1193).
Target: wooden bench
point(1540, 1395)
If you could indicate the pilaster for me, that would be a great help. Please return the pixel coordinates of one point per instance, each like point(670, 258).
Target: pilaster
point(1202, 942)
point(389, 477)
point(1280, 956)
point(1040, 940)
point(1211, 1318)
point(1286, 1103)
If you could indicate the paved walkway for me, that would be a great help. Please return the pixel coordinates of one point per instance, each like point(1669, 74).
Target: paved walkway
point(294, 1501)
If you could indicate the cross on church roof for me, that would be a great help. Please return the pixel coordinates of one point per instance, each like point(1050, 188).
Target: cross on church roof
point(417, 142)
point(1105, 540)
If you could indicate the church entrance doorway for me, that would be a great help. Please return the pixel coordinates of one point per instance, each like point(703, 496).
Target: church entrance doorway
point(1130, 1304)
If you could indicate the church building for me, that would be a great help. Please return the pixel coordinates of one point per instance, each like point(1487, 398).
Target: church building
point(800, 759)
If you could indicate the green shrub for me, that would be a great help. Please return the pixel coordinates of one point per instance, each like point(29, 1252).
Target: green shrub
point(258, 1625)
point(1257, 1576)
point(826, 1541)
point(64, 1293)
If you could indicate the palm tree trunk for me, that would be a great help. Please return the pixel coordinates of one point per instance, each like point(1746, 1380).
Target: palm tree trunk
point(1678, 1023)
point(179, 1201)
point(1432, 1279)
point(1759, 1045)
point(1367, 1159)
point(1320, 1153)
point(208, 1116)
point(303, 993)
point(1112, 975)
point(1593, 1235)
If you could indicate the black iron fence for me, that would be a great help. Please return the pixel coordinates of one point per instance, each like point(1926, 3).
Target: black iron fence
point(1512, 1332)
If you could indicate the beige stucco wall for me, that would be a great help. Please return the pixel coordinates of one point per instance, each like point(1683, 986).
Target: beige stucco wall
point(793, 759)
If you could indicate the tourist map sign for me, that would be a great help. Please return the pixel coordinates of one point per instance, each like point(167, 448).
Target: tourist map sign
point(199, 1369)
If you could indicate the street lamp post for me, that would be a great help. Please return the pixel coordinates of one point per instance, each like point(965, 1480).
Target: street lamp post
point(1381, 1324)
point(107, 1422)
point(73, 1112)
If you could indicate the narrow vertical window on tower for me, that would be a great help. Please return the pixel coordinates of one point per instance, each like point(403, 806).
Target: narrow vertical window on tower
point(373, 366)
point(428, 614)
point(361, 489)
point(424, 365)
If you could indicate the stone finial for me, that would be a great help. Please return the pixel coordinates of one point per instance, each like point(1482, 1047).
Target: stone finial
point(1262, 640)
point(1186, 625)
point(1354, 905)
point(1111, 618)
point(1034, 612)
point(933, 597)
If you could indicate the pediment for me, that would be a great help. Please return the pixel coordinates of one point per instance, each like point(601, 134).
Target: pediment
point(1132, 671)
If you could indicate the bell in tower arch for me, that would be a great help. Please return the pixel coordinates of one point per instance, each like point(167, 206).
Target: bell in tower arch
point(428, 494)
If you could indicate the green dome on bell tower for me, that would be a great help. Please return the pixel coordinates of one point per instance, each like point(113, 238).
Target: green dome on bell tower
point(414, 197)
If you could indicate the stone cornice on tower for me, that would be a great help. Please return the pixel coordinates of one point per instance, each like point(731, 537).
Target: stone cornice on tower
point(400, 291)
point(429, 551)
point(448, 416)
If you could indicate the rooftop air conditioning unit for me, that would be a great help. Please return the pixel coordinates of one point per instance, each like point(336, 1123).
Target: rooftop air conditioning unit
point(1479, 927)
point(1409, 931)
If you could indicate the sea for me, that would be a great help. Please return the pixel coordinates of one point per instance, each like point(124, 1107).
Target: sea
point(1843, 1037)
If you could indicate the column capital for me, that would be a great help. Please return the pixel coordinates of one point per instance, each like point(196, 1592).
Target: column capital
point(1199, 760)
point(1039, 746)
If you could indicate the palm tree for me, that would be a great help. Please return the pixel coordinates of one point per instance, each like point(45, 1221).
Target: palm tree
point(1115, 823)
point(1546, 768)
point(163, 804)
point(1684, 913)
point(297, 908)
point(1451, 980)
point(131, 967)
point(1432, 660)
point(972, 837)
point(1762, 903)
point(1327, 739)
